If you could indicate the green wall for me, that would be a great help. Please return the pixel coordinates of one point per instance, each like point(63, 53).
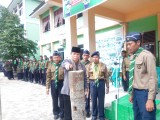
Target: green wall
point(80, 37)
point(45, 14)
point(32, 31)
point(145, 25)
point(32, 24)
point(30, 6)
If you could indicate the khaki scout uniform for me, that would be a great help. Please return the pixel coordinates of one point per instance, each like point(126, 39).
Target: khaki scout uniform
point(36, 72)
point(41, 64)
point(144, 85)
point(145, 75)
point(26, 70)
point(20, 69)
point(55, 91)
point(125, 72)
point(98, 92)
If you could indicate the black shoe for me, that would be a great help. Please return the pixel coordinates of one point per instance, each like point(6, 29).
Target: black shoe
point(88, 115)
point(56, 117)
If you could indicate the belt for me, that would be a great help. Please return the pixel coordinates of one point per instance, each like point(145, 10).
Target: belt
point(58, 80)
point(95, 79)
point(145, 90)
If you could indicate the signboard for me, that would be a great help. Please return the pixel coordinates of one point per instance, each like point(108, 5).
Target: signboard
point(73, 7)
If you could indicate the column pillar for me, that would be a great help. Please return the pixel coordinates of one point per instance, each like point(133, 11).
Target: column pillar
point(124, 27)
point(51, 14)
point(89, 30)
point(71, 35)
point(158, 16)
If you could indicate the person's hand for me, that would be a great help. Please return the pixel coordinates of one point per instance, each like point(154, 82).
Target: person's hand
point(150, 105)
point(131, 99)
point(107, 90)
point(124, 77)
point(47, 91)
point(86, 92)
point(68, 66)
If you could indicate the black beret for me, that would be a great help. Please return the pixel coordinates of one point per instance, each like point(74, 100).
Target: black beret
point(86, 52)
point(96, 53)
point(124, 51)
point(56, 53)
point(76, 49)
point(133, 36)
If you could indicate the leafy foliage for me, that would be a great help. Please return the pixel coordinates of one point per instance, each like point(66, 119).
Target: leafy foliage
point(13, 44)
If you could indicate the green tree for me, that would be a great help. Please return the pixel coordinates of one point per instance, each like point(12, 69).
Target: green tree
point(13, 44)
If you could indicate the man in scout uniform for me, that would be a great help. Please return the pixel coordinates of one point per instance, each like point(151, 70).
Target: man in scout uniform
point(45, 69)
point(9, 70)
point(31, 71)
point(41, 70)
point(25, 69)
point(55, 76)
point(20, 69)
point(86, 62)
point(142, 79)
point(98, 77)
point(35, 71)
point(125, 71)
point(68, 65)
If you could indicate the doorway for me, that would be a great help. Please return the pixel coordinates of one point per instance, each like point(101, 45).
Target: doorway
point(149, 41)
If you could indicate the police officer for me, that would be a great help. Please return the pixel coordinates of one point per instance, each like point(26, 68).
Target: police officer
point(55, 78)
point(98, 77)
point(71, 64)
point(142, 79)
point(125, 71)
point(85, 61)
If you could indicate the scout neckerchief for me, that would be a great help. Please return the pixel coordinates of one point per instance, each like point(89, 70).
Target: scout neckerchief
point(85, 63)
point(131, 68)
point(56, 73)
point(96, 72)
point(20, 64)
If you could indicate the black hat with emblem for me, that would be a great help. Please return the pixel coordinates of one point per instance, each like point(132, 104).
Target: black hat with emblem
point(133, 36)
point(76, 49)
point(96, 53)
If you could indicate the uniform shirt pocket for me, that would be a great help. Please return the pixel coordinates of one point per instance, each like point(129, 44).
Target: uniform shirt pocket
point(53, 69)
point(139, 66)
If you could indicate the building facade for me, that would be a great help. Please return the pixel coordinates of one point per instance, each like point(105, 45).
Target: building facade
point(23, 8)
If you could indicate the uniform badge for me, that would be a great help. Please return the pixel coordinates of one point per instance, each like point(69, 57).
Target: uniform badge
point(139, 66)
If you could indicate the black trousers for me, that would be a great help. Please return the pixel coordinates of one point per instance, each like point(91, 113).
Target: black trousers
point(20, 76)
point(125, 83)
point(67, 107)
point(57, 98)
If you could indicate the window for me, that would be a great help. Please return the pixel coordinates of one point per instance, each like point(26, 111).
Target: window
point(20, 5)
point(61, 51)
point(21, 11)
point(82, 49)
point(58, 18)
point(79, 15)
point(46, 24)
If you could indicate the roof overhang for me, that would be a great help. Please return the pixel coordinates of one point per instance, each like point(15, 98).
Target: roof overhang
point(44, 6)
point(13, 4)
